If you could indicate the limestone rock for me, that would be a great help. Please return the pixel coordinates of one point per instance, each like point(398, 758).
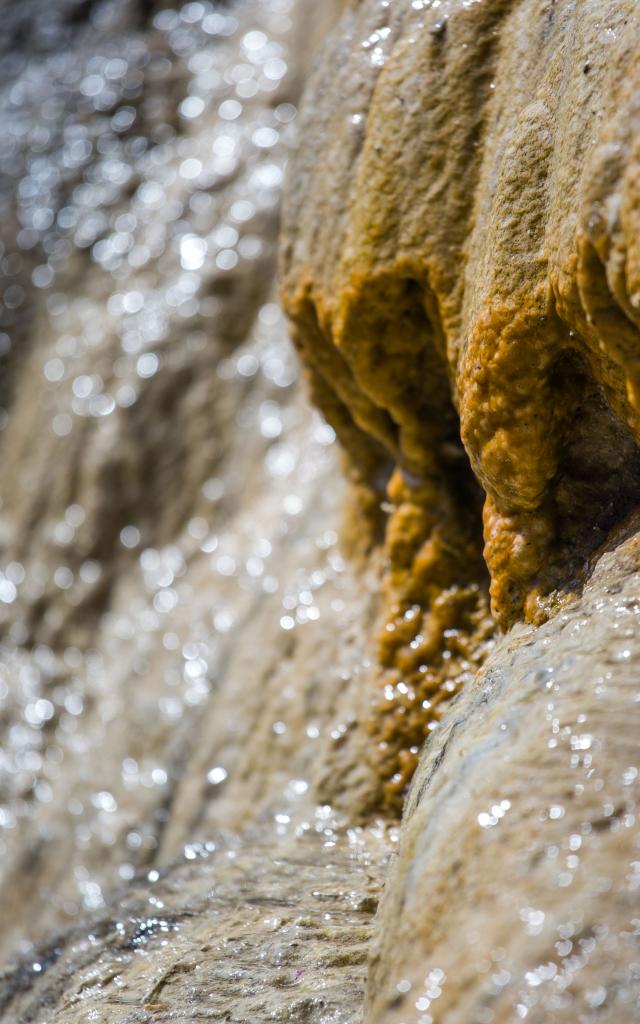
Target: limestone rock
point(197, 729)
point(515, 894)
point(239, 932)
point(468, 271)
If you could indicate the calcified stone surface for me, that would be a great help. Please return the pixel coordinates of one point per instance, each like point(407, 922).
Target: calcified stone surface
point(238, 932)
point(196, 724)
point(516, 892)
point(469, 270)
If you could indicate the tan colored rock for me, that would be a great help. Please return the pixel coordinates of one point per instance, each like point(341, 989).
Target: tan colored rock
point(183, 702)
point(516, 894)
point(238, 931)
point(472, 253)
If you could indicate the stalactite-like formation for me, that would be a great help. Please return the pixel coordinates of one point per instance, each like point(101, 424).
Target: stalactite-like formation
point(462, 269)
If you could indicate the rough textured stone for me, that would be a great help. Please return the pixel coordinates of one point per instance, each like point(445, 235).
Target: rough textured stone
point(516, 892)
point(188, 680)
point(473, 255)
point(241, 932)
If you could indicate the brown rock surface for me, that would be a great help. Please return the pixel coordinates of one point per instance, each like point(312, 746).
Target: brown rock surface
point(473, 255)
point(237, 932)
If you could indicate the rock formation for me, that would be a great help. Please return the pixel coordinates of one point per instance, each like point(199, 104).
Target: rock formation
point(221, 654)
point(515, 893)
point(465, 294)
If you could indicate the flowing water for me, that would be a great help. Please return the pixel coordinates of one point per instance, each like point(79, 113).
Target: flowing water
point(172, 594)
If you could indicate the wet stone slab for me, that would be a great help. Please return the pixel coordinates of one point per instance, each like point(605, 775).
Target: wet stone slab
point(239, 931)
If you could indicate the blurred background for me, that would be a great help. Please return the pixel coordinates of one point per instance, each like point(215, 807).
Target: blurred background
point(170, 581)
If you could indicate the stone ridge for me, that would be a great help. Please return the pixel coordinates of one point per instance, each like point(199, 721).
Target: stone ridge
point(516, 879)
point(461, 265)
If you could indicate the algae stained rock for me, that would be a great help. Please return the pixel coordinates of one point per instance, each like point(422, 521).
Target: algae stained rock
point(465, 295)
